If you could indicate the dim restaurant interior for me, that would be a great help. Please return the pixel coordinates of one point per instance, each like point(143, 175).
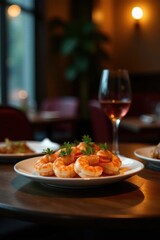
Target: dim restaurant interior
point(52, 56)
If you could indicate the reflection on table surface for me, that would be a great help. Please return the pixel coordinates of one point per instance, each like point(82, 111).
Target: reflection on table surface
point(131, 203)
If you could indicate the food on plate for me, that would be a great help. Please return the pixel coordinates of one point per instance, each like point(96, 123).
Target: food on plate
point(15, 147)
point(44, 165)
point(109, 167)
point(88, 166)
point(64, 167)
point(78, 159)
point(156, 152)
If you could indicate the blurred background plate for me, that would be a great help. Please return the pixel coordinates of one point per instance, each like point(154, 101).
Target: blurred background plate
point(37, 146)
point(145, 153)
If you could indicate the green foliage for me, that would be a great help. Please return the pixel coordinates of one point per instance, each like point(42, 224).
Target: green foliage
point(66, 149)
point(103, 146)
point(89, 150)
point(89, 145)
point(48, 151)
point(87, 139)
point(81, 41)
point(81, 44)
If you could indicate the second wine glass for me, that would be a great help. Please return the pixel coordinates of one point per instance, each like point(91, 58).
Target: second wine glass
point(115, 98)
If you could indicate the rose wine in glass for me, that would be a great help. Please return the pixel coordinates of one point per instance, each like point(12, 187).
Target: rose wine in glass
point(115, 98)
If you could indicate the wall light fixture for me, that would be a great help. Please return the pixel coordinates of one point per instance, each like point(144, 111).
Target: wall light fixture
point(137, 13)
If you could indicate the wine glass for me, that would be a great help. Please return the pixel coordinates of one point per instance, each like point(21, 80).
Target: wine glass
point(115, 98)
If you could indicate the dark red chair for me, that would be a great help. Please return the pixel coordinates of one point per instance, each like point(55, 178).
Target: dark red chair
point(14, 124)
point(100, 124)
point(66, 105)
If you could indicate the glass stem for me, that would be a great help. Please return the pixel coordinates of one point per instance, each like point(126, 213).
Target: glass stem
point(115, 148)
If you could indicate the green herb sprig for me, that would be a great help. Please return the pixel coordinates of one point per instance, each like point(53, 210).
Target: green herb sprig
point(66, 149)
point(89, 150)
point(87, 139)
point(103, 146)
point(89, 145)
point(48, 151)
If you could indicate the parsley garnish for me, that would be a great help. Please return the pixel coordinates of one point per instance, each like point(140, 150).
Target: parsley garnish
point(66, 149)
point(103, 146)
point(48, 151)
point(87, 139)
point(89, 145)
point(89, 150)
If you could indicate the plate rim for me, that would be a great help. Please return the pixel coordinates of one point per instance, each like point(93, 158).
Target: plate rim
point(78, 182)
point(143, 157)
point(9, 156)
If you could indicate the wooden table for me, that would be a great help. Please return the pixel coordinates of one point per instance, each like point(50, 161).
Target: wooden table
point(134, 129)
point(132, 204)
point(135, 124)
point(49, 122)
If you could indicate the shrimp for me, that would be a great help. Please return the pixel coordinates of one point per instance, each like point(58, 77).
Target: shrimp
point(44, 166)
point(52, 157)
point(64, 167)
point(88, 166)
point(110, 162)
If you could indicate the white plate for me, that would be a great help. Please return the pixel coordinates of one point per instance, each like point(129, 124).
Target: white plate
point(145, 154)
point(129, 168)
point(37, 146)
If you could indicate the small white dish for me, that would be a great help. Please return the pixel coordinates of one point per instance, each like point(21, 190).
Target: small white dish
point(37, 146)
point(145, 153)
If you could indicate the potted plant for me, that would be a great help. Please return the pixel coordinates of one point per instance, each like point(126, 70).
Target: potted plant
point(81, 42)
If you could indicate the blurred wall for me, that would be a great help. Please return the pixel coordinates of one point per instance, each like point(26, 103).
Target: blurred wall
point(134, 47)
point(55, 82)
point(131, 47)
point(57, 8)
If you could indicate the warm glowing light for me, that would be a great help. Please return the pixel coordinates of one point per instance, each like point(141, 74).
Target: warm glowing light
point(22, 94)
point(137, 13)
point(97, 16)
point(14, 10)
